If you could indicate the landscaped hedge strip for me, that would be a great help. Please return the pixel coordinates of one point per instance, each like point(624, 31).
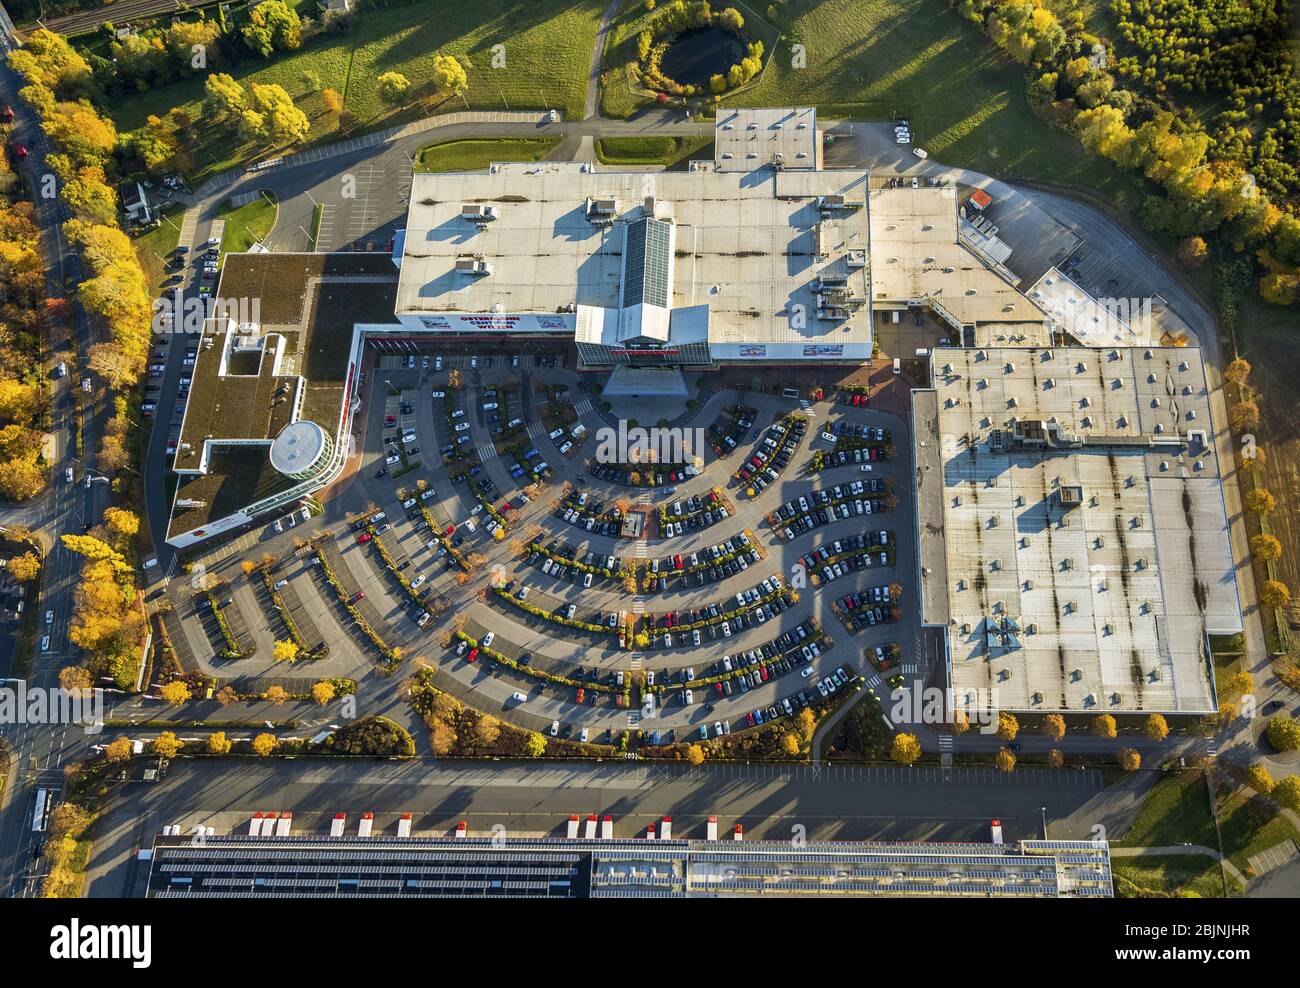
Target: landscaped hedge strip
point(529, 670)
point(528, 608)
point(317, 651)
point(416, 597)
point(233, 649)
point(391, 655)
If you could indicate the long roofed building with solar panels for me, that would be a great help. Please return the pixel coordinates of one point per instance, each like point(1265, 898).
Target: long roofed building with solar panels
point(557, 868)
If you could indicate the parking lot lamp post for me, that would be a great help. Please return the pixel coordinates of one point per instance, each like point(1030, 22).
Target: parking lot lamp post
point(1043, 810)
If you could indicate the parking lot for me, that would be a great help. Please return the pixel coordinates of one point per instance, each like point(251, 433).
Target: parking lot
point(463, 516)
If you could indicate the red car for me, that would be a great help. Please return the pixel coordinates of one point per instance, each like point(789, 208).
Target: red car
point(473, 654)
point(359, 595)
point(363, 538)
point(20, 151)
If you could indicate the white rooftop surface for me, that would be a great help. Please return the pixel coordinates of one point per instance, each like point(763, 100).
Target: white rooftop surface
point(297, 447)
point(916, 256)
point(1085, 318)
point(1123, 587)
point(747, 138)
point(738, 249)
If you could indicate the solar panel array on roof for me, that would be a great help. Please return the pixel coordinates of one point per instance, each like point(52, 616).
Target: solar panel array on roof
point(645, 263)
point(309, 867)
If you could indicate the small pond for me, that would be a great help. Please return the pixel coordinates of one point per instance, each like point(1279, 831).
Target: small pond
point(697, 55)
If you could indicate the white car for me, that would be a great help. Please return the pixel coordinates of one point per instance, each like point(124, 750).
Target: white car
point(519, 698)
point(45, 643)
point(583, 735)
point(462, 426)
point(437, 363)
point(807, 671)
point(865, 468)
point(490, 406)
point(920, 153)
point(417, 582)
point(555, 728)
point(49, 617)
point(566, 447)
point(487, 639)
point(586, 581)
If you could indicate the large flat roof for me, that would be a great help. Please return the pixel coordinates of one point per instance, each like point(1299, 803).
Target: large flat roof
point(580, 868)
point(1084, 575)
point(746, 244)
point(748, 137)
point(286, 363)
point(916, 256)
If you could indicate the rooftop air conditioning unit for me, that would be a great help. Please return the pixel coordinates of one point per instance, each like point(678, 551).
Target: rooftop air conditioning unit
point(476, 265)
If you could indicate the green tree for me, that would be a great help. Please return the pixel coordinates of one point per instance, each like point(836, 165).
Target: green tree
point(272, 26)
point(1283, 732)
point(392, 87)
point(448, 74)
point(224, 97)
point(1287, 792)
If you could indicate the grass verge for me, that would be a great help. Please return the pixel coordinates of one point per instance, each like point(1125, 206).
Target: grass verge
point(464, 156)
point(247, 224)
point(1171, 876)
point(154, 246)
point(1176, 811)
point(666, 151)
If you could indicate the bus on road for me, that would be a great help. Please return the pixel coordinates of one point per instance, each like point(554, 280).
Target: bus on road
point(41, 816)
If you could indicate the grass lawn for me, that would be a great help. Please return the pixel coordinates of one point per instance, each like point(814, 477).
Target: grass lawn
point(1171, 875)
point(464, 156)
point(154, 245)
point(867, 59)
point(546, 46)
point(617, 98)
point(1250, 826)
point(665, 151)
point(247, 224)
point(1176, 811)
